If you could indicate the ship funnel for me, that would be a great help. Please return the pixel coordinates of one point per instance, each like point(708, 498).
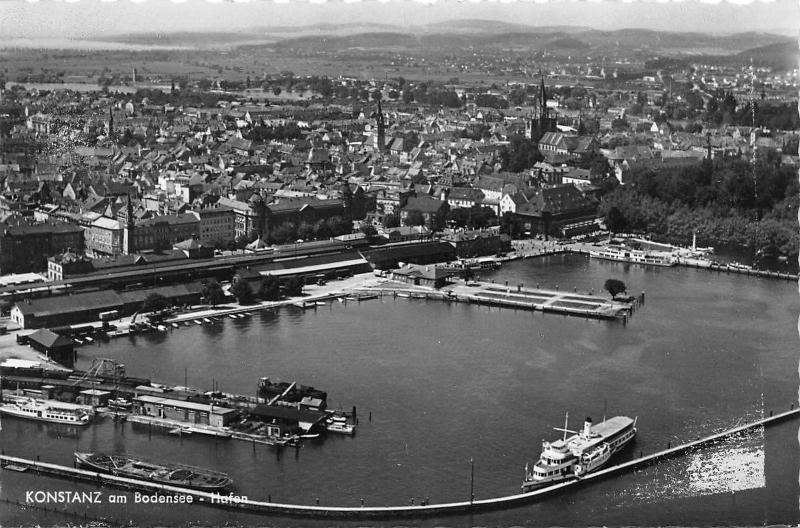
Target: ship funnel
point(587, 427)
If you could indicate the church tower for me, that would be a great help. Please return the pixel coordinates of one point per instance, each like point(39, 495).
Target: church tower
point(381, 146)
point(128, 247)
point(110, 121)
point(544, 112)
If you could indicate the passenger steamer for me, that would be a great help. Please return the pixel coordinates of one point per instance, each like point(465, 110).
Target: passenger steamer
point(45, 411)
point(171, 474)
point(581, 453)
point(634, 256)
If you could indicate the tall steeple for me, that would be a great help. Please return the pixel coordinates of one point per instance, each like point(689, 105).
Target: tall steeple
point(542, 98)
point(110, 121)
point(381, 146)
point(544, 118)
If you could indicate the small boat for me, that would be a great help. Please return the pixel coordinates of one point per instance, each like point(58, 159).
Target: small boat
point(174, 325)
point(739, 266)
point(120, 403)
point(320, 303)
point(338, 424)
point(78, 341)
point(404, 295)
point(162, 328)
point(206, 320)
point(367, 297)
point(171, 474)
point(89, 339)
point(180, 431)
point(15, 467)
point(197, 322)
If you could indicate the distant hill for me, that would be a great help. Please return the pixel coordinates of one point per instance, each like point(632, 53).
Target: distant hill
point(781, 55)
point(472, 26)
point(184, 39)
point(457, 35)
point(568, 43)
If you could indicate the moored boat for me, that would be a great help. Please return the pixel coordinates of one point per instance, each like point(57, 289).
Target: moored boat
point(581, 453)
point(172, 474)
point(621, 253)
point(46, 411)
point(339, 424)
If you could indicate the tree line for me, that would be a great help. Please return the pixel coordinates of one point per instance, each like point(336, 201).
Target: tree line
point(727, 202)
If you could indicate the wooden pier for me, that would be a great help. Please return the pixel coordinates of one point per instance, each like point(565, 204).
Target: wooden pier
point(373, 512)
point(564, 302)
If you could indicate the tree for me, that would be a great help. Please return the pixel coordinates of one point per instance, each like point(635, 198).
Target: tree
point(615, 221)
point(510, 225)
point(154, 302)
point(615, 287)
point(305, 231)
point(240, 242)
point(270, 289)
point(415, 218)
point(212, 292)
point(369, 230)
point(293, 287)
point(522, 153)
point(391, 220)
point(241, 289)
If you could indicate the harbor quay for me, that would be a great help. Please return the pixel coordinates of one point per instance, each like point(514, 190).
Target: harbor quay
point(159, 492)
point(521, 298)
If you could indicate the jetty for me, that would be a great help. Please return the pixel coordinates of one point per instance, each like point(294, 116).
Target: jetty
point(554, 301)
point(377, 512)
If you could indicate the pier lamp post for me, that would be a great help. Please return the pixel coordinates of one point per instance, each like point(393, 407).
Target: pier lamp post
point(471, 481)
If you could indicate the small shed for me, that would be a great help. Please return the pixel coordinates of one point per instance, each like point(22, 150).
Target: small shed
point(56, 347)
point(95, 397)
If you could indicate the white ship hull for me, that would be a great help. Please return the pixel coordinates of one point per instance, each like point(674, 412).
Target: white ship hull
point(43, 412)
point(580, 454)
point(635, 257)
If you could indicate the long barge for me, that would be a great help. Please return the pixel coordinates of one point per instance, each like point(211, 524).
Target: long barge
point(170, 474)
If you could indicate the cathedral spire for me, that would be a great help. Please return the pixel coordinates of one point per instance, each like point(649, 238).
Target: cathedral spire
point(381, 146)
point(110, 121)
point(542, 99)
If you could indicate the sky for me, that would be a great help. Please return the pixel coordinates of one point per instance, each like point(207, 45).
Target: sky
point(93, 18)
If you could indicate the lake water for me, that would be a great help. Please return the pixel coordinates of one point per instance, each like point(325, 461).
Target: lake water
point(446, 383)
